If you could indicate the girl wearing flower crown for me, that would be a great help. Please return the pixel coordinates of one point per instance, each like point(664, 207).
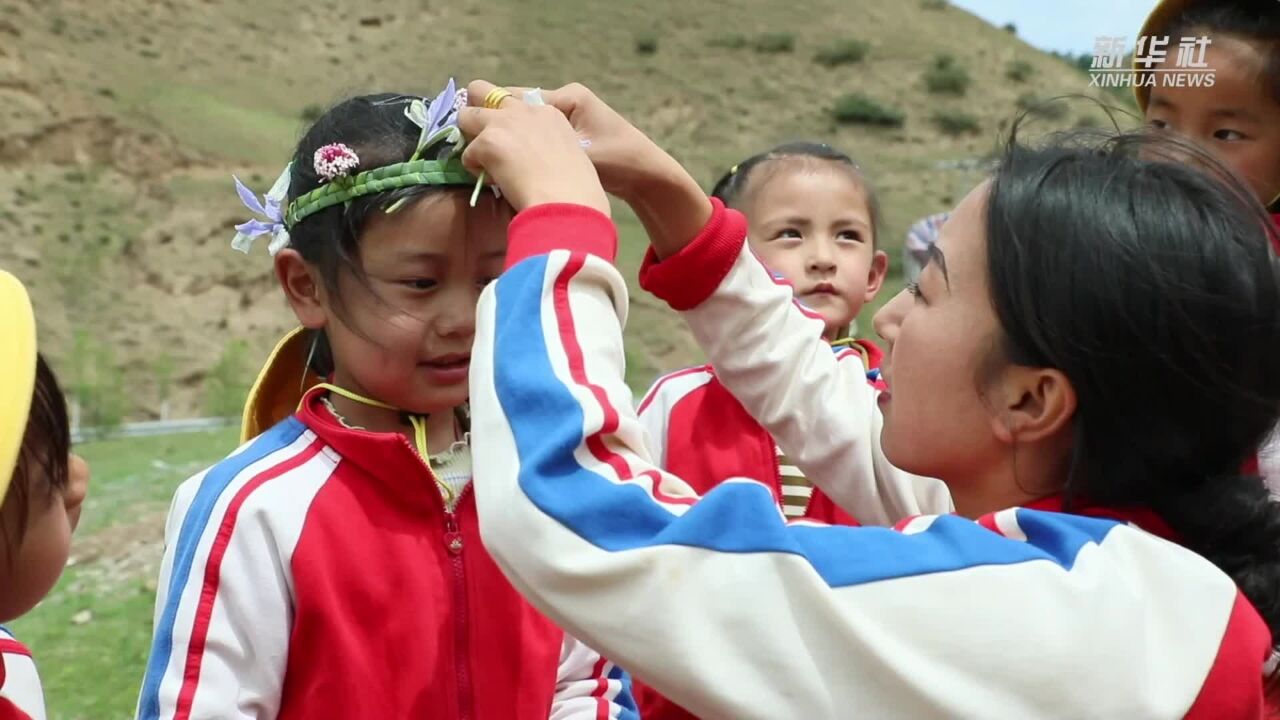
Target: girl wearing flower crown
point(332, 566)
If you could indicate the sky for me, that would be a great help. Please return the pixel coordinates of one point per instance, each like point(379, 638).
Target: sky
point(1066, 25)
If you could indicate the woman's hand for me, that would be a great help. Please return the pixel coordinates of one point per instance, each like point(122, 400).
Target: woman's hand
point(668, 201)
point(626, 159)
point(531, 152)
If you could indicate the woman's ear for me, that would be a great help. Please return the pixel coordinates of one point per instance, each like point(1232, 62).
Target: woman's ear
point(301, 288)
point(1033, 404)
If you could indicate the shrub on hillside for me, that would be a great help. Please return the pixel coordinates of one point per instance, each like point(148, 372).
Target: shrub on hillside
point(945, 75)
point(1019, 71)
point(956, 123)
point(858, 109)
point(774, 42)
point(646, 43)
point(934, 4)
point(844, 52)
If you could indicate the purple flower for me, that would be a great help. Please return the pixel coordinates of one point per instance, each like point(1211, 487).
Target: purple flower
point(439, 119)
point(270, 208)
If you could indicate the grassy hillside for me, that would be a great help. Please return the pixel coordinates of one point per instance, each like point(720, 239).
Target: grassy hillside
point(122, 121)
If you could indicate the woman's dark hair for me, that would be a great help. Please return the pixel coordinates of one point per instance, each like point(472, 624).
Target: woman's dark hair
point(1143, 270)
point(375, 127)
point(733, 186)
point(1256, 21)
point(42, 459)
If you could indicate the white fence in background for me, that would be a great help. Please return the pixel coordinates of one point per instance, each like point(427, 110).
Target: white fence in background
point(153, 427)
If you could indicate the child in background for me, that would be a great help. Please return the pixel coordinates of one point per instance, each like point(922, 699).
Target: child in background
point(333, 567)
point(1237, 117)
point(813, 217)
point(43, 486)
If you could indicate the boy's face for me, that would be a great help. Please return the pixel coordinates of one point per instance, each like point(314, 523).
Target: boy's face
point(812, 226)
point(30, 565)
point(1236, 118)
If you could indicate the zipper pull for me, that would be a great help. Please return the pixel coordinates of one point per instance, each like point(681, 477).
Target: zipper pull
point(452, 537)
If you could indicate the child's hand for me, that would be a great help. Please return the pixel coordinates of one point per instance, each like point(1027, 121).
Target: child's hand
point(531, 152)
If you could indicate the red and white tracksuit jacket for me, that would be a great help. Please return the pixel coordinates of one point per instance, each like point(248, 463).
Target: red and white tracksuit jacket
point(732, 612)
point(700, 432)
point(21, 696)
point(316, 573)
point(697, 431)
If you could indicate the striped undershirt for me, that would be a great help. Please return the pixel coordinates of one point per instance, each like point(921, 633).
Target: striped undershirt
point(796, 489)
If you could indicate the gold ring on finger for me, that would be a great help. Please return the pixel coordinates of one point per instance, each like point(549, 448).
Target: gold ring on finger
point(495, 97)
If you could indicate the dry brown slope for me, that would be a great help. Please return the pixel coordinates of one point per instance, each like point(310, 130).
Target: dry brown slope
point(121, 121)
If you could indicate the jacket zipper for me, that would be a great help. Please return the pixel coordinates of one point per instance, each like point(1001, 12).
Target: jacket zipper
point(454, 544)
point(461, 644)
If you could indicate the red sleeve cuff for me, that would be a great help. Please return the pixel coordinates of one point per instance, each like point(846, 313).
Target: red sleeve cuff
point(689, 277)
point(560, 226)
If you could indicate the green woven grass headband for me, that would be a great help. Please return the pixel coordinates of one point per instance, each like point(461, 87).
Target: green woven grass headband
point(440, 139)
point(378, 180)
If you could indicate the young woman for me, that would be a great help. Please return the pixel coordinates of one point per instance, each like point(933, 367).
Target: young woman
point(1109, 367)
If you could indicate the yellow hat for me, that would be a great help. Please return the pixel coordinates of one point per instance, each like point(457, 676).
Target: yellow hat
point(1161, 16)
point(280, 385)
point(17, 372)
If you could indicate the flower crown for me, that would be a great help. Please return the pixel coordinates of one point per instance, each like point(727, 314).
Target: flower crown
point(342, 180)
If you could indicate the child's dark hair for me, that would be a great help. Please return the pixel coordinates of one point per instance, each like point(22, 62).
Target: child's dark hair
point(1140, 268)
point(733, 186)
point(42, 459)
point(375, 127)
point(1256, 21)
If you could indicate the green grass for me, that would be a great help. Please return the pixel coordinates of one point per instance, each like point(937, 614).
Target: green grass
point(131, 474)
point(226, 128)
point(92, 671)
